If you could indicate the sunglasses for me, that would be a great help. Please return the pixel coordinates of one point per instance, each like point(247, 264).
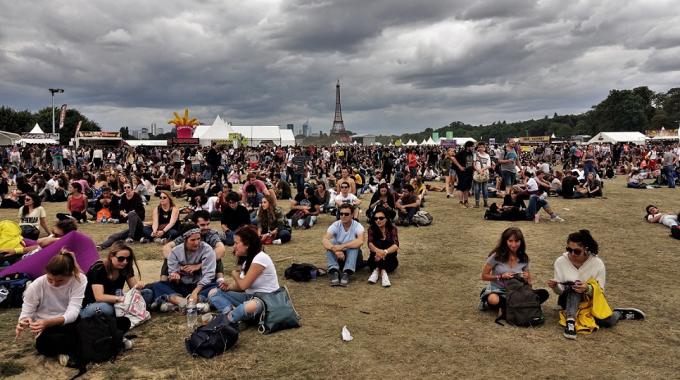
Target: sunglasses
point(127, 187)
point(575, 251)
point(345, 214)
point(379, 218)
point(164, 197)
point(122, 258)
point(344, 187)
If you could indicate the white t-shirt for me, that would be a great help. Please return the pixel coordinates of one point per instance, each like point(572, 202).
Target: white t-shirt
point(342, 236)
point(591, 268)
point(44, 301)
point(350, 198)
point(33, 217)
point(532, 185)
point(267, 281)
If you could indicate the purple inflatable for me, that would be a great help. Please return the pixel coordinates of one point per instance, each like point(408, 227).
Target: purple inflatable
point(34, 265)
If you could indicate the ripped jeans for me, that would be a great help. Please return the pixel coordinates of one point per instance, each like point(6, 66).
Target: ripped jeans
point(236, 303)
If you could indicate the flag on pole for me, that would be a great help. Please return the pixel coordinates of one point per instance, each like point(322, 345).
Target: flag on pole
point(62, 115)
point(78, 128)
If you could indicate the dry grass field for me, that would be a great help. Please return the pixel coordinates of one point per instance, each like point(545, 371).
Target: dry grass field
point(427, 324)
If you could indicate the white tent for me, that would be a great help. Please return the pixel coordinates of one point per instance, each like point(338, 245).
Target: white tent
point(36, 129)
point(219, 130)
point(615, 137)
point(258, 134)
point(430, 141)
point(411, 143)
point(458, 140)
point(9, 138)
point(287, 137)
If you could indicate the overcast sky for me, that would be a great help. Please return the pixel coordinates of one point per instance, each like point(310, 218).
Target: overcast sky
point(404, 65)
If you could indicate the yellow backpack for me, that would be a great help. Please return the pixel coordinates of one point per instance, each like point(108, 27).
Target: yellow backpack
point(10, 235)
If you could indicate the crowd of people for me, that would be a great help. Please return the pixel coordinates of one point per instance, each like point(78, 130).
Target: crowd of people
point(371, 192)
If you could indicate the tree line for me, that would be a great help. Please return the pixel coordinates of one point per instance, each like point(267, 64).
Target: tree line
point(639, 109)
point(23, 121)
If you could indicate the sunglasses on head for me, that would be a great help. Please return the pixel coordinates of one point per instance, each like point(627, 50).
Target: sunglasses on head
point(122, 258)
point(575, 251)
point(379, 218)
point(345, 214)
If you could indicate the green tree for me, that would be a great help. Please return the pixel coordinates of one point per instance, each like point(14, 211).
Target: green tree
point(15, 121)
point(71, 119)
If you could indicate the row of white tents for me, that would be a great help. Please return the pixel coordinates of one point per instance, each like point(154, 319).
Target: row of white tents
point(253, 134)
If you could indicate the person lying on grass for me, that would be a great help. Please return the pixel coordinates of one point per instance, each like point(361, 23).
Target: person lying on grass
point(579, 280)
point(655, 215)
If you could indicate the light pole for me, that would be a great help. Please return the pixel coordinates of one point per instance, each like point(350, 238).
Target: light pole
point(53, 91)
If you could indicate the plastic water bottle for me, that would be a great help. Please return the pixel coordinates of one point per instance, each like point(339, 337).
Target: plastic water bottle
point(192, 315)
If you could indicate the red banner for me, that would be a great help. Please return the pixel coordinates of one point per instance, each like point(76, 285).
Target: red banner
point(78, 128)
point(62, 115)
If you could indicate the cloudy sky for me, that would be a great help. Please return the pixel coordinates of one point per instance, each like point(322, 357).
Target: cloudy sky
point(404, 65)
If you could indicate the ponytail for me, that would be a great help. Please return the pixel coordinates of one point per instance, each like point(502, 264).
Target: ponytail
point(63, 264)
point(584, 238)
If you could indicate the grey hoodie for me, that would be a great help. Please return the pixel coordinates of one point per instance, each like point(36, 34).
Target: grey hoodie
point(204, 255)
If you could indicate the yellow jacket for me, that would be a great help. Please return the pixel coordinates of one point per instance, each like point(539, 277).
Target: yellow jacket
point(591, 307)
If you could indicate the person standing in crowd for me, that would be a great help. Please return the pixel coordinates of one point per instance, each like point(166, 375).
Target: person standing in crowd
point(579, 280)
point(383, 243)
point(463, 163)
point(298, 163)
point(342, 242)
point(509, 161)
point(669, 162)
point(482, 166)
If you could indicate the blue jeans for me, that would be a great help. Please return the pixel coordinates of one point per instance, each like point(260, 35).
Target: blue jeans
point(350, 263)
point(588, 167)
point(235, 301)
point(508, 179)
point(162, 290)
point(669, 172)
point(535, 205)
point(90, 309)
point(481, 187)
point(228, 238)
point(169, 236)
point(284, 235)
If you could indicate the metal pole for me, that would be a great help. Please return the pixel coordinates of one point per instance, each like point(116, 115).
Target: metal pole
point(52, 111)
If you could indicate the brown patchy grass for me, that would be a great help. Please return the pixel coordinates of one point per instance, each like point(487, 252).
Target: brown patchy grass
point(427, 324)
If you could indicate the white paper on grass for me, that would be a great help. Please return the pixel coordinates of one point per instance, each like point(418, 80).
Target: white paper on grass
point(346, 336)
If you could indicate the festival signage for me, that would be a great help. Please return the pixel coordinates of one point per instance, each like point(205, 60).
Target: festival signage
point(182, 141)
point(62, 115)
point(99, 134)
point(492, 141)
point(183, 125)
point(534, 139)
point(670, 133)
point(449, 143)
point(53, 136)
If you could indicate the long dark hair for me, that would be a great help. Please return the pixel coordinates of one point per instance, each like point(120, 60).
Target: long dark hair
point(36, 203)
point(126, 272)
point(389, 227)
point(584, 238)
point(249, 237)
point(503, 252)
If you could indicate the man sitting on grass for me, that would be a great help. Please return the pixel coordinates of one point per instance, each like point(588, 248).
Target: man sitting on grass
point(342, 242)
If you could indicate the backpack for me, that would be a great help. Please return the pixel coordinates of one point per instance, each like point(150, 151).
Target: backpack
point(212, 339)
point(422, 218)
point(99, 339)
point(300, 272)
point(12, 289)
point(523, 307)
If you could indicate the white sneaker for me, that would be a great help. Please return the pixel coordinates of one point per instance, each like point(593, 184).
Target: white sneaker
point(129, 240)
point(63, 359)
point(202, 307)
point(385, 280)
point(277, 242)
point(127, 344)
point(556, 218)
point(373, 278)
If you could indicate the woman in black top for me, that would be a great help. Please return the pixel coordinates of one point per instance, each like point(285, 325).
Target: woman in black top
point(106, 280)
point(383, 242)
point(164, 222)
point(383, 199)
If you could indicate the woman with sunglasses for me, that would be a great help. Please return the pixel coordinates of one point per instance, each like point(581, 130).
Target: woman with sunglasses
point(131, 211)
point(107, 278)
point(271, 225)
point(383, 242)
point(31, 216)
point(382, 199)
point(571, 281)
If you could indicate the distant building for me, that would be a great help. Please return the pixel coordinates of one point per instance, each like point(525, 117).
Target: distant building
point(159, 131)
point(153, 129)
point(290, 127)
point(306, 130)
point(364, 139)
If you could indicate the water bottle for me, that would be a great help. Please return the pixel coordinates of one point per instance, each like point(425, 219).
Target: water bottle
point(192, 315)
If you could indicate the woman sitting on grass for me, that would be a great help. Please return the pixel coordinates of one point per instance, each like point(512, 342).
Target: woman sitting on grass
point(271, 225)
point(507, 260)
point(51, 306)
point(31, 216)
point(106, 280)
point(76, 204)
point(257, 274)
point(579, 281)
point(383, 242)
point(164, 226)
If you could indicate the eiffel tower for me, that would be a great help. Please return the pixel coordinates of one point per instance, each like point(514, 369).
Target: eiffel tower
point(338, 129)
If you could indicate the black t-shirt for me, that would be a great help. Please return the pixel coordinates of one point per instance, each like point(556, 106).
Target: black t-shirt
point(311, 202)
point(518, 202)
point(568, 185)
point(235, 218)
point(97, 276)
point(465, 159)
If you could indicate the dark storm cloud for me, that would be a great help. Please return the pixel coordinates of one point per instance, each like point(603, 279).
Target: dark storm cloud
point(404, 65)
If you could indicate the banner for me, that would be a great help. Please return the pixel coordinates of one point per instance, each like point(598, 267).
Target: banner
point(492, 141)
point(534, 139)
point(449, 135)
point(78, 128)
point(99, 134)
point(62, 115)
point(435, 136)
point(38, 136)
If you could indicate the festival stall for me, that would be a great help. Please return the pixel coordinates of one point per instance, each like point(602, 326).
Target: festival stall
point(9, 138)
point(98, 138)
point(619, 137)
point(37, 136)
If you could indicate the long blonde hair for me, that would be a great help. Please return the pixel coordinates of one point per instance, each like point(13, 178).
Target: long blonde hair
point(63, 264)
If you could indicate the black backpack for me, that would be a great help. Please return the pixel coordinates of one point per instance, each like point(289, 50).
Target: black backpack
point(675, 232)
point(523, 307)
point(14, 285)
point(212, 339)
point(99, 338)
point(300, 272)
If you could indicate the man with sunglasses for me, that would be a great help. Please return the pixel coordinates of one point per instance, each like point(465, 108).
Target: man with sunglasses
point(342, 242)
point(346, 197)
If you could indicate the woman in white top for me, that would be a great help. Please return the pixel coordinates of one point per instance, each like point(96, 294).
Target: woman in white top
point(573, 269)
point(654, 215)
point(257, 275)
point(51, 306)
point(31, 216)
